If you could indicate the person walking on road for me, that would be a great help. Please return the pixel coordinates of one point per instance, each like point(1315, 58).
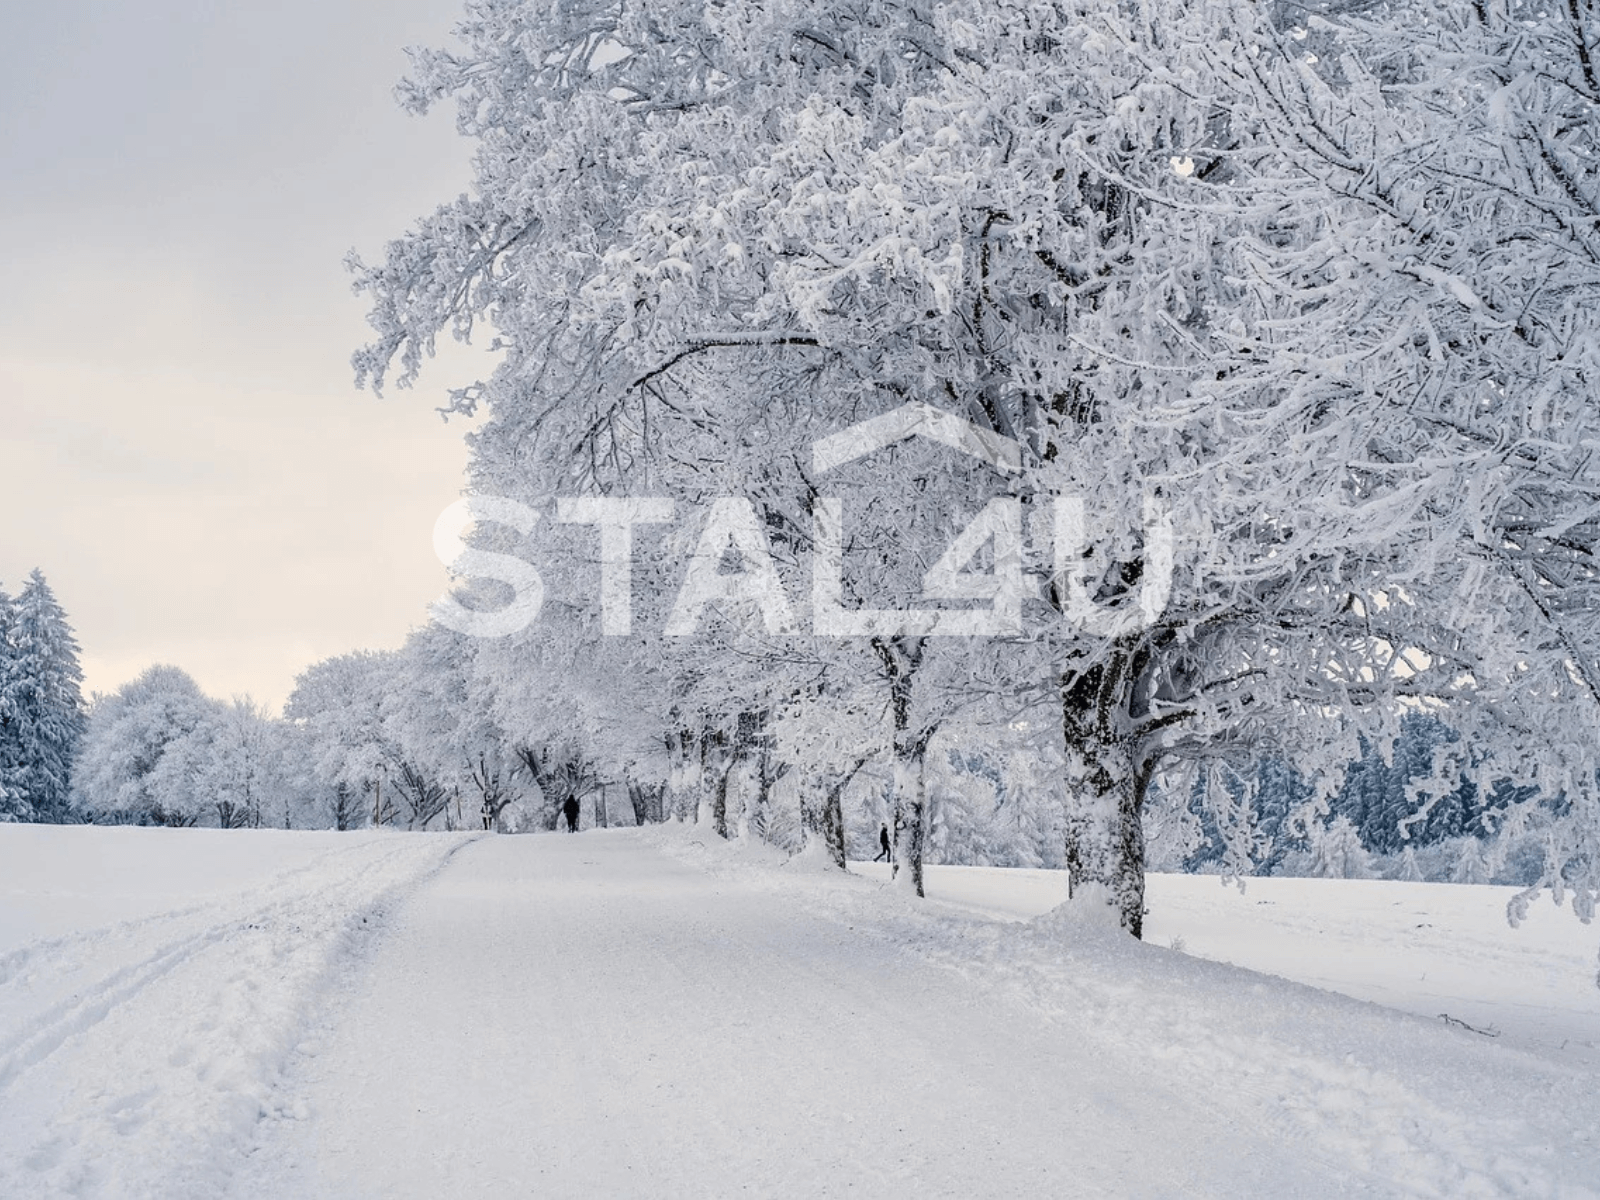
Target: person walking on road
point(570, 811)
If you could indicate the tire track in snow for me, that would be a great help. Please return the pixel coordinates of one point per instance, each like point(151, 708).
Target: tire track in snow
point(146, 1083)
point(94, 999)
point(70, 1018)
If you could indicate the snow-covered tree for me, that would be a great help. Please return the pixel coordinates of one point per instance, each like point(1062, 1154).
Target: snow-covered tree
point(337, 707)
point(1472, 864)
point(1267, 286)
point(441, 740)
point(1460, 144)
point(13, 806)
point(1337, 852)
point(123, 771)
point(1409, 870)
point(235, 765)
point(41, 704)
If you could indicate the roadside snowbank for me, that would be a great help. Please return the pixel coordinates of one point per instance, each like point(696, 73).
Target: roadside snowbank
point(1424, 948)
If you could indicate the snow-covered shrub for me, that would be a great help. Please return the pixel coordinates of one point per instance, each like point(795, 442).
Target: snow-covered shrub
point(1337, 852)
point(1472, 865)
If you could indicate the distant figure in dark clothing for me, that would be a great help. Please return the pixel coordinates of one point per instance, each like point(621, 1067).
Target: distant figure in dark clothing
point(883, 842)
point(488, 815)
point(569, 810)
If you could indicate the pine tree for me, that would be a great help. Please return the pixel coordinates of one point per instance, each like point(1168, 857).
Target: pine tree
point(13, 806)
point(43, 704)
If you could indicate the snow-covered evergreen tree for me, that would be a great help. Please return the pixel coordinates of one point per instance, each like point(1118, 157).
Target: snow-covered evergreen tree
point(13, 807)
point(1409, 870)
point(41, 705)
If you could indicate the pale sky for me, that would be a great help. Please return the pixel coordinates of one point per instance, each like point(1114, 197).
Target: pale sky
point(181, 449)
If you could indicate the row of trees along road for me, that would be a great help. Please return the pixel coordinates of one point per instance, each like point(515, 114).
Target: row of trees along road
point(1321, 280)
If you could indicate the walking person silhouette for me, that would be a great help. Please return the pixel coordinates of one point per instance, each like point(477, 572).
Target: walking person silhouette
point(883, 843)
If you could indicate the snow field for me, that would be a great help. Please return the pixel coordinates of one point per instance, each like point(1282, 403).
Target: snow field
point(1375, 1101)
point(1424, 948)
point(134, 1055)
point(646, 1013)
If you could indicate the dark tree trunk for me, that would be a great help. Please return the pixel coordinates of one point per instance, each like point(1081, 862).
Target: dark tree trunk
point(910, 813)
point(822, 816)
point(719, 797)
point(684, 753)
point(1105, 832)
point(768, 772)
point(901, 656)
point(716, 765)
point(345, 808)
point(232, 816)
point(1102, 708)
point(424, 797)
point(646, 800)
point(495, 791)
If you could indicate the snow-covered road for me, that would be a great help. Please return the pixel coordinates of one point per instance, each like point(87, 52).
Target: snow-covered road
point(560, 1016)
point(586, 1016)
point(661, 1013)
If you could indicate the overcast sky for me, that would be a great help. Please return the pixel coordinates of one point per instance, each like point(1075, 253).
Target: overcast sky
point(181, 449)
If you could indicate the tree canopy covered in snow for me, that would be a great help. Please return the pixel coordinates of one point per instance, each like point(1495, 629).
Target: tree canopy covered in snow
point(1319, 286)
point(159, 751)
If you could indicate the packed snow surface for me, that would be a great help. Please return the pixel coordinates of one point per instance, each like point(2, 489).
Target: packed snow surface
point(195, 1014)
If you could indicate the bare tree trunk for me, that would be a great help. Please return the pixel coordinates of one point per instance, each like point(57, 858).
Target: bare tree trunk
point(768, 773)
point(345, 808)
point(384, 809)
point(232, 816)
point(719, 795)
point(646, 800)
point(684, 775)
point(910, 814)
point(716, 766)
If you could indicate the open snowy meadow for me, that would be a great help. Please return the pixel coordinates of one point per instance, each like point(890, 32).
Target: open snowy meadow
point(197, 1013)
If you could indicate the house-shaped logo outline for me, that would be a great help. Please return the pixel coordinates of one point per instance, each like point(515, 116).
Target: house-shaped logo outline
point(1004, 454)
point(914, 417)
